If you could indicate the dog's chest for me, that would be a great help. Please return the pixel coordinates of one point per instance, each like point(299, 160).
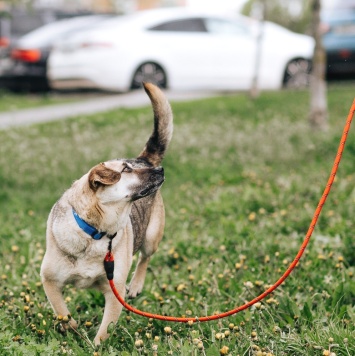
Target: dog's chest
point(86, 268)
point(85, 275)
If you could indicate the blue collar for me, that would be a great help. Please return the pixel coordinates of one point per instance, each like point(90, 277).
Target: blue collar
point(90, 230)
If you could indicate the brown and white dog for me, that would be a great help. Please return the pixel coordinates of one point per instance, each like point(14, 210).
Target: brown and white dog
point(118, 198)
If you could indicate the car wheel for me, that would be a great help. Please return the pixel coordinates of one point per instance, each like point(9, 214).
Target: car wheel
point(149, 72)
point(297, 74)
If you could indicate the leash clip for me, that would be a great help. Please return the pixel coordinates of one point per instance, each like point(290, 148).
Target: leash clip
point(109, 261)
point(109, 265)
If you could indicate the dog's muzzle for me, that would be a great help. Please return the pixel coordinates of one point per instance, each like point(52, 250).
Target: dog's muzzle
point(154, 180)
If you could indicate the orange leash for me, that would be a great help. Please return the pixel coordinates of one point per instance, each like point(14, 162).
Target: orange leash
point(109, 259)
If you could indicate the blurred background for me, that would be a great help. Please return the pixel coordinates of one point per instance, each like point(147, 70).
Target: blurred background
point(114, 45)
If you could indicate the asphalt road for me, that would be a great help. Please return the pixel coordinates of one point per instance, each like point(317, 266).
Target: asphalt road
point(88, 106)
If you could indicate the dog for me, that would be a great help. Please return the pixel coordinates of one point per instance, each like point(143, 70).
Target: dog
point(118, 201)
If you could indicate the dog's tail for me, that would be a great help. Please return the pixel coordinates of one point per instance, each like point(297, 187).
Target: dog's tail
point(158, 142)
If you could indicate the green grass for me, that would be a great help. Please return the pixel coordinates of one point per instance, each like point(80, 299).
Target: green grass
point(243, 178)
point(16, 101)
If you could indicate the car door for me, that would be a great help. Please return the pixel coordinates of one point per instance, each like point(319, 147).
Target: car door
point(182, 45)
point(200, 54)
point(232, 53)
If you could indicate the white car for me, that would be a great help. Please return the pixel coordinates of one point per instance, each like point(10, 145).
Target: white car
point(180, 48)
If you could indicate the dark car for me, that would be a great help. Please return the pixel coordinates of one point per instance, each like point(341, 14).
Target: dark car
point(24, 66)
point(339, 41)
point(17, 21)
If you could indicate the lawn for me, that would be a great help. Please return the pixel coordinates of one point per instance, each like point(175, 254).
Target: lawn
point(243, 178)
point(10, 101)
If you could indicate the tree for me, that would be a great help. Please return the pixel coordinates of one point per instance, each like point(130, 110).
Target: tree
point(292, 14)
point(259, 10)
point(318, 89)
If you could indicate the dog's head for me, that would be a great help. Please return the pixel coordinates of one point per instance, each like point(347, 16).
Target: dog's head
point(125, 180)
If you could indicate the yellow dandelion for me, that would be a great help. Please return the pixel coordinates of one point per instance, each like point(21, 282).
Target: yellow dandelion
point(249, 284)
point(139, 343)
point(88, 324)
point(219, 336)
point(238, 265)
point(252, 216)
point(15, 248)
point(167, 330)
point(180, 287)
point(224, 350)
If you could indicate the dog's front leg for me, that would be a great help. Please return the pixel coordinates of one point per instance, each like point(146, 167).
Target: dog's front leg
point(112, 312)
point(55, 297)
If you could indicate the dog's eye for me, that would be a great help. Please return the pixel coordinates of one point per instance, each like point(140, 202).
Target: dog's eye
point(126, 169)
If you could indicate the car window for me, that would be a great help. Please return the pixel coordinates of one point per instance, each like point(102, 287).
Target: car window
point(344, 29)
point(183, 25)
point(225, 27)
point(340, 22)
point(45, 35)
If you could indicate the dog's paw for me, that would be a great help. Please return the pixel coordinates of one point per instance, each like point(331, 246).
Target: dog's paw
point(73, 324)
point(134, 289)
point(99, 338)
point(97, 341)
point(67, 324)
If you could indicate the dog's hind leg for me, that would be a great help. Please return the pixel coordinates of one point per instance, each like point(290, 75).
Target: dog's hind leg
point(153, 236)
point(137, 282)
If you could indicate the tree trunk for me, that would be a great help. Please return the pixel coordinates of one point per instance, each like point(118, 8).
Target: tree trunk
point(318, 116)
point(259, 13)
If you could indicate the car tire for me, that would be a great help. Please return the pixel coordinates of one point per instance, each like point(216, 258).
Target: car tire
point(149, 72)
point(297, 74)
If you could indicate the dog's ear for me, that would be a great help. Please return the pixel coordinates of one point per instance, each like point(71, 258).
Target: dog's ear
point(102, 175)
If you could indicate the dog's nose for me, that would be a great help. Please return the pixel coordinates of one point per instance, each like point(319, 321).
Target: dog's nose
point(159, 170)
